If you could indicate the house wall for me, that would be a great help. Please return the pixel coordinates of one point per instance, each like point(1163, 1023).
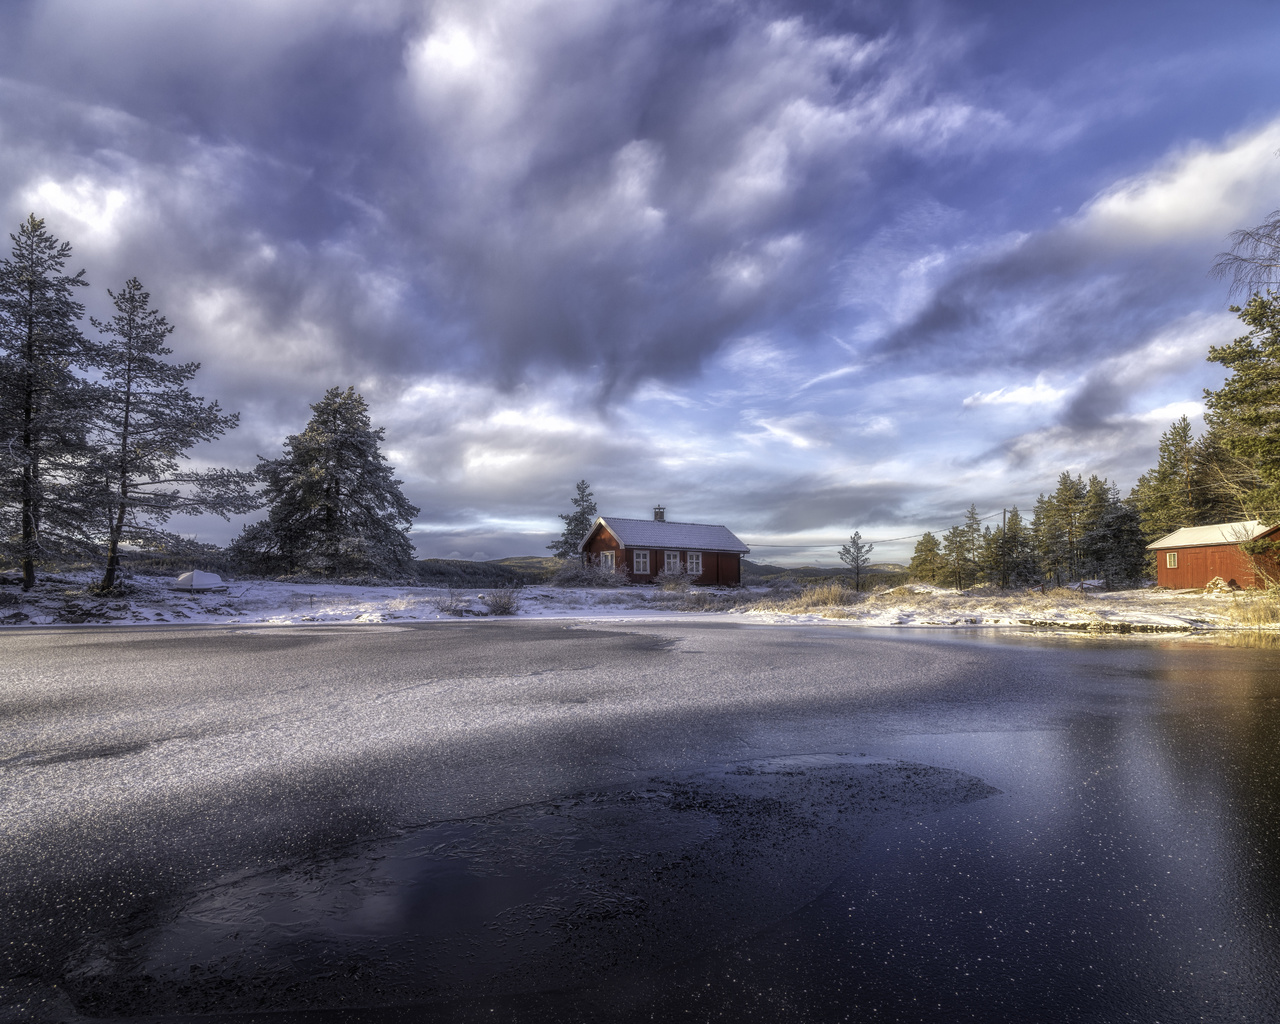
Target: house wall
point(719, 568)
point(1197, 566)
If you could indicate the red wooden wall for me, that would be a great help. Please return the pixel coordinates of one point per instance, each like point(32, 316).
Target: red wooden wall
point(719, 568)
point(1197, 566)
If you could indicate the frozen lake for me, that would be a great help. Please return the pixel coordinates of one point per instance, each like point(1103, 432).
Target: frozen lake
point(547, 821)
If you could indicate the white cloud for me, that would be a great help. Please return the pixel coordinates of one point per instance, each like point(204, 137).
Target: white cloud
point(1200, 191)
point(1039, 393)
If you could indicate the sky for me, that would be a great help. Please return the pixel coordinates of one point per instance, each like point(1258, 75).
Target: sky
point(799, 268)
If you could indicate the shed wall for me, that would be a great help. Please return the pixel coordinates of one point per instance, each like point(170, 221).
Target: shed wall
point(1197, 566)
point(719, 568)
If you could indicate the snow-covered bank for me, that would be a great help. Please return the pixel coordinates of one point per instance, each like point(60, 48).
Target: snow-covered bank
point(66, 598)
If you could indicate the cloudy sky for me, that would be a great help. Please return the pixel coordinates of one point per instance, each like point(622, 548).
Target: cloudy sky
point(795, 267)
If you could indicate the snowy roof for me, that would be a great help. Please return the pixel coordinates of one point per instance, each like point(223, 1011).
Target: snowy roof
point(1220, 533)
point(659, 533)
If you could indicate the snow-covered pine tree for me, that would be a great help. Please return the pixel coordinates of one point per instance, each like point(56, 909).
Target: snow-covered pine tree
point(44, 407)
point(576, 523)
point(147, 421)
point(335, 507)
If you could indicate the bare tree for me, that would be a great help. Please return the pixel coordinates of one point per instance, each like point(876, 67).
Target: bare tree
point(1253, 261)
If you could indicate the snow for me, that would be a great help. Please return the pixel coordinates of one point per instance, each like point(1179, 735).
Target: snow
point(64, 598)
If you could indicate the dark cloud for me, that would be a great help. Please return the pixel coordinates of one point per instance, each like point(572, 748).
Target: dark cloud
point(616, 189)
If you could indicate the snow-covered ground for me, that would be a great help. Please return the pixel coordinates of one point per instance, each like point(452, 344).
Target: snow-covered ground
point(66, 598)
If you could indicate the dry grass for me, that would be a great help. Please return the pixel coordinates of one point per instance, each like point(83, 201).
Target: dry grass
point(811, 599)
point(1260, 609)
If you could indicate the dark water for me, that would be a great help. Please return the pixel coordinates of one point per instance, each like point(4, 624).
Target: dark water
point(944, 828)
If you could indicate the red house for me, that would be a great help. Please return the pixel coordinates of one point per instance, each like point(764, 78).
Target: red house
point(647, 546)
point(1194, 555)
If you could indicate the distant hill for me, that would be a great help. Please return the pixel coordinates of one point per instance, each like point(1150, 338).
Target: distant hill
point(498, 572)
point(877, 574)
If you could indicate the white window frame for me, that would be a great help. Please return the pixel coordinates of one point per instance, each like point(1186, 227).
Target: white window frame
point(640, 560)
point(606, 559)
point(694, 561)
point(671, 561)
point(1171, 559)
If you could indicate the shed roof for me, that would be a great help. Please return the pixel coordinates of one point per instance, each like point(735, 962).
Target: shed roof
point(1208, 536)
point(660, 533)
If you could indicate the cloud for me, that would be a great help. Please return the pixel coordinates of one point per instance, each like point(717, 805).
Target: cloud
point(1134, 256)
point(1038, 393)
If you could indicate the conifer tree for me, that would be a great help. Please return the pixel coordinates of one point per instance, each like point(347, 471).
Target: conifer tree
point(44, 407)
point(990, 556)
point(973, 533)
point(334, 504)
point(857, 556)
point(927, 564)
point(1245, 411)
point(1165, 495)
point(1057, 529)
point(1021, 568)
point(956, 547)
point(147, 420)
point(1113, 547)
point(576, 523)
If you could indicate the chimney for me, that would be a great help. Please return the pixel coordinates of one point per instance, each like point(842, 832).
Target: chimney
point(659, 514)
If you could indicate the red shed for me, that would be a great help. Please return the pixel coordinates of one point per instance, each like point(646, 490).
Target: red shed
point(647, 546)
point(1194, 555)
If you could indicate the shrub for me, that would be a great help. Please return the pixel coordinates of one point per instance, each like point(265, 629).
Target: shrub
point(592, 574)
point(675, 579)
point(501, 600)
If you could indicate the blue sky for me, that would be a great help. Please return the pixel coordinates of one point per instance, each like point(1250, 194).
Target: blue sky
point(798, 268)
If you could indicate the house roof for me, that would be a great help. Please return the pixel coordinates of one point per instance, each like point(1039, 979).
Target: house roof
point(1207, 536)
point(659, 533)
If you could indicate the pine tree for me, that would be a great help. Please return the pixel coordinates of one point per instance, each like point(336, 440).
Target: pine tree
point(44, 407)
point(1220, 482)
point(1113, 547)
point(1020, 566)
point(857, 556)
point(1165, 495)
point(576, 523)
point(146, 422)
point(927, 564)
point(973, 531)
point(1057, 529)
point(334, 504)
point(990, 556)
point(956, 545)
point(1245, 411)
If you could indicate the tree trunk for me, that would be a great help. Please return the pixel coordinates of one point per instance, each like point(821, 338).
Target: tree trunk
point(30, 483)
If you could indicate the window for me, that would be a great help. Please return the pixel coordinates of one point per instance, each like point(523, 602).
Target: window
point(1171, 560)
point(672, 563)
point(606, 559)
point(641, 562)
point(695, 562)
